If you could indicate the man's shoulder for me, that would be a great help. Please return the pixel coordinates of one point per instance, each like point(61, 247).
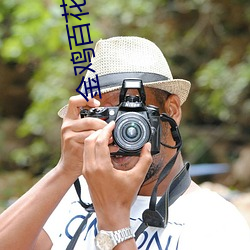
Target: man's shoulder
point(211, 218)
point(200, 201)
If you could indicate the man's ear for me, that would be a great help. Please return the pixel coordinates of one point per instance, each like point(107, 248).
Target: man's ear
point(173, 108)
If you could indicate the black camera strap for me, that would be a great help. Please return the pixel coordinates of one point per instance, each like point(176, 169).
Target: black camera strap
point(88, 207)
point(158, 216)
point(157, 213)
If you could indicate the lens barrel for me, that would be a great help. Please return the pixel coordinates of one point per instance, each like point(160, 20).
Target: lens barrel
point(132, 131)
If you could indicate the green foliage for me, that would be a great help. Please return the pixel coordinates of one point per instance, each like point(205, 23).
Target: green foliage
point(13, 185)
point(206, 42)
point(31, 26)
point(222, 87)
point(34, 33)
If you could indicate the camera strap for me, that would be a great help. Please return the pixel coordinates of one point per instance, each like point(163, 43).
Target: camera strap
point(88, 207)
point(157, 213)
point(157, 216)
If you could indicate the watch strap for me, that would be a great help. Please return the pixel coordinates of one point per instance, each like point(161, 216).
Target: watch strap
point(107, 240)
point(122, 234)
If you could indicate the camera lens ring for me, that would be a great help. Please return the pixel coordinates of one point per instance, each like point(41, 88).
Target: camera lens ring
point(132, 131)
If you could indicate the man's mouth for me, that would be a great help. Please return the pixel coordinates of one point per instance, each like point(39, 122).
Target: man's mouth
point(120, 161)
point(117, 156)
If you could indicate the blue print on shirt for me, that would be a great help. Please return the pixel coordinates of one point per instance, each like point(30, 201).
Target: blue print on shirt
point(67, 227)
point(146, 241)
point(92, 224)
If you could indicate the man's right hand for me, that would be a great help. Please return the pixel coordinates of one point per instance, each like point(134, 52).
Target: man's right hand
point(73, 133)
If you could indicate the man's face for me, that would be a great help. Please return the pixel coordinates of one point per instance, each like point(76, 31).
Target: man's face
point(128, 162)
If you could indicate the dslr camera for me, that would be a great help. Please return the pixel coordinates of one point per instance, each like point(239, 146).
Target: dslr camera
point(135, 123)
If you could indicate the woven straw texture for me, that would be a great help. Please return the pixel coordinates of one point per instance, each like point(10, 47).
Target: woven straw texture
point(134, 54)
point(128, 54)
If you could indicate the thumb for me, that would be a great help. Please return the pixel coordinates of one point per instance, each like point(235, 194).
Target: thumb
point(145, 160)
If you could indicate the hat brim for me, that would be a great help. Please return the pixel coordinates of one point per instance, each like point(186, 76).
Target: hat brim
point(178, 87)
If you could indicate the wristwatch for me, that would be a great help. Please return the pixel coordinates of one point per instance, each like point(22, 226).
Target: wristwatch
point(107, 240)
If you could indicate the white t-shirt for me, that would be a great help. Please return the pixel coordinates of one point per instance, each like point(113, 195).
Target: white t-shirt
point(201, 220)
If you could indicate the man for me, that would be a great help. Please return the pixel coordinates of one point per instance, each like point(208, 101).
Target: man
point(123, 188)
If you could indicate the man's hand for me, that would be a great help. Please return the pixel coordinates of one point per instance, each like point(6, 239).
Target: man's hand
point(73, 133)
point(113, 191)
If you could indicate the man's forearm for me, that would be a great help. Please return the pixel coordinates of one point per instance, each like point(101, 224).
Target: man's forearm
point(21, 223)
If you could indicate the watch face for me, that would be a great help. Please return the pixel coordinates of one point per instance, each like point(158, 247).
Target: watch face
point(103, 241)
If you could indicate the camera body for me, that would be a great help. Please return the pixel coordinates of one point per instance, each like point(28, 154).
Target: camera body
point(135, 122)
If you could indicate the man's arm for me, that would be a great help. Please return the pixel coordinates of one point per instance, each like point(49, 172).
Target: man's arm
point(21, 223)
point(43, 242)
point(112, 191)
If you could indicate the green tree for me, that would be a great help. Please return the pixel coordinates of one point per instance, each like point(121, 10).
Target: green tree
point(206, 42)
point(34, 34)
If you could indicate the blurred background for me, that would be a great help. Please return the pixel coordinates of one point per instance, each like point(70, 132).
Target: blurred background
point(205, 41)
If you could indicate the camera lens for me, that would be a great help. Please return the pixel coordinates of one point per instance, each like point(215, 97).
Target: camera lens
point(132, 131)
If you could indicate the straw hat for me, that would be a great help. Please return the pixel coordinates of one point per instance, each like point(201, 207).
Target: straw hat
point(118, 58)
